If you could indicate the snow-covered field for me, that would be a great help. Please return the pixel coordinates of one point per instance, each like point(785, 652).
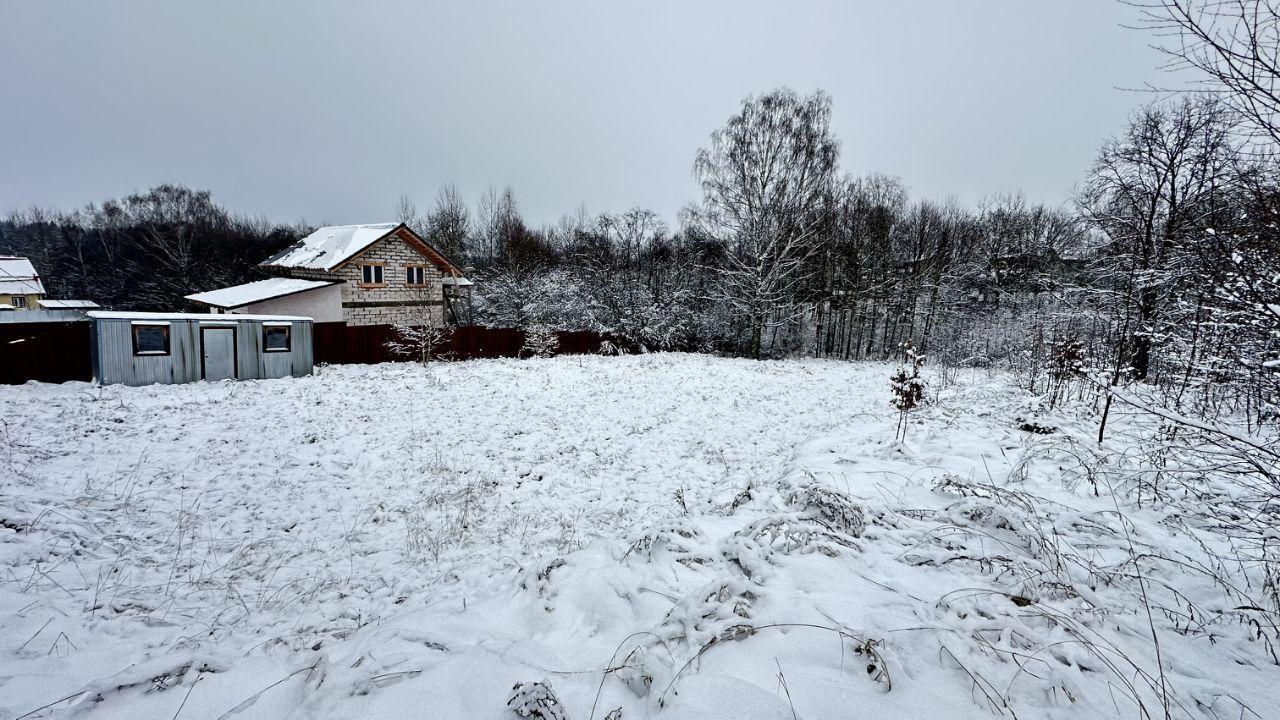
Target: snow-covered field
point(677, 536)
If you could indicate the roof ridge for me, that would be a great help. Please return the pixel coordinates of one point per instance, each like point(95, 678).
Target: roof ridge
point(349, 225)
point(328, 247)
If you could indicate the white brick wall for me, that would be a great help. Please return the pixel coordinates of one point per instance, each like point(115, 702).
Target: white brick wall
point(394, 255)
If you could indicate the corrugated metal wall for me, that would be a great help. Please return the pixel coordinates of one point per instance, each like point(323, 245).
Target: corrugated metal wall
point(36, 316)
point(303, 354)
point(114, 361)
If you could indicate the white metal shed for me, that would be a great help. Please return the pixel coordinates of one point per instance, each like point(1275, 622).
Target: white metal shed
point(142, 348)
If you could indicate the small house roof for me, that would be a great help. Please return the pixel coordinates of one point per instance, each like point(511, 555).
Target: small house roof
point(329, 247)
point(205, 317)
point(257, 291)
point(69, 304)
point(459, 281)
point(18, 276)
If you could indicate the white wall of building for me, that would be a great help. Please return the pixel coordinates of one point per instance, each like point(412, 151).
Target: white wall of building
point(322, 305)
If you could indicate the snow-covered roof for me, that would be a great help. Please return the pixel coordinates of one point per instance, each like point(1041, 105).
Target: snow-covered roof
point(330, 246)
point(459, 281)
point(249, 293)
point(68, 304)
point(18, 276)
point(206, 317)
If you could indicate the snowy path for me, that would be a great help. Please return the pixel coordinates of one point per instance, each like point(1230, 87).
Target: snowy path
point(393, 542)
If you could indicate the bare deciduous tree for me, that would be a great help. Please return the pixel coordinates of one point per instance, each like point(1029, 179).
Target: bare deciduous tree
point(498, 229)
point(407, 213)
point(420, 343)
point(1235, 47)
point(540, 341)
point(420, 331)
point(768, 181)
point(1150, 191)
point(449, 224)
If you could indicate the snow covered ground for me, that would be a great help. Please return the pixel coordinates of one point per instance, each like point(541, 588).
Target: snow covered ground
point(676, 536)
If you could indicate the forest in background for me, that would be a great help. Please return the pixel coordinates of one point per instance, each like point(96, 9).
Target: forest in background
point(1164, 269)
point(1090, 566)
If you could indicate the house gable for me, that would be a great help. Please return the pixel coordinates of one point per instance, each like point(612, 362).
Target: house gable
point(393, 300)
point(333, 247)
point(398, 295)
point(413, 241)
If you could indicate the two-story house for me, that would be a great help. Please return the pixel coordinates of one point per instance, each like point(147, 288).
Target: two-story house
point(20, 286)
point(379, 274)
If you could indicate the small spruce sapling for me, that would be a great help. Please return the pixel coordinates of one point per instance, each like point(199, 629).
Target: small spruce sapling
point(535, 700)
point(907, 387)
point(1067, 361)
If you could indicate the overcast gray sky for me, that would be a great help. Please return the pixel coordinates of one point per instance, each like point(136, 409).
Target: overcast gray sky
point(329, 110)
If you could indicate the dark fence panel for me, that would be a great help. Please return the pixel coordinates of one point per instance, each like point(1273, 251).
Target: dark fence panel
point(582, 342)
point(342, 344)
point(476, 341)
point(47, 352)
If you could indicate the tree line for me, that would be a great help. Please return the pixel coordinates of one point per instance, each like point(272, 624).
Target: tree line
point(1164, 269)
point(144, 251)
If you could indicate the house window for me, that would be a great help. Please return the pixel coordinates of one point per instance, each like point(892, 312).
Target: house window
point(19, 301)
point(276, 338)
point(371, 275)
point(415, 275)
point(150, 338)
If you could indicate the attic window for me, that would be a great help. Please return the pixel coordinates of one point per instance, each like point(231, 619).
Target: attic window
point(415, 275)
point(150, 338)
point(276, 338)
point(371, 275)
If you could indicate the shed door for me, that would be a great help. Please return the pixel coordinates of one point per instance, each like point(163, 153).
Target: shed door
point(218, 352)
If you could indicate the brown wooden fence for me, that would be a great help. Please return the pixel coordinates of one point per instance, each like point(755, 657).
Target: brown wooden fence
point(342, 344)
point(45, 351)
point(60, 351)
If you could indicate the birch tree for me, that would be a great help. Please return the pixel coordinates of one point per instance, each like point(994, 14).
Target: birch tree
point(767, 179)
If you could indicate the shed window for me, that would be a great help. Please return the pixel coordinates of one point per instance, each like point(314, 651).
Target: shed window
point(19, 301)
point(371, 274)
point(415, 275)
point(276, 338)
point(150, 339)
